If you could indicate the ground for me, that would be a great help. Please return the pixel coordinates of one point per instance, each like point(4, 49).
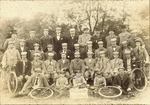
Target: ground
point(140, 98)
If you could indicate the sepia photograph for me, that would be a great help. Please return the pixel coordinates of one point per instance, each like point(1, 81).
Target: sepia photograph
point(74, 52)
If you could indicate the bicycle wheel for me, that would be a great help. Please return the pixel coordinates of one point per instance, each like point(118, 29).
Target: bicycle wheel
point(110, 92)
point(41, 93)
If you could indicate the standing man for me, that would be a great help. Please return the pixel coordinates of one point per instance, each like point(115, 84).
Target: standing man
point(23, 68)
point(58, 40)
point(30, 42)
point(12, 39)
point(95, 39)
point(113, 48)
point(109, 37)
point(124, 36)
point(45, 40)
point(83, 39)
point(101, 48)
point(72, 39)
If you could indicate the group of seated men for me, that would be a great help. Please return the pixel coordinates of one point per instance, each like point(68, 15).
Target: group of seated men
point(58, 59)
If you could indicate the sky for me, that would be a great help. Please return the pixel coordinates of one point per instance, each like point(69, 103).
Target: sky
point(27, 9)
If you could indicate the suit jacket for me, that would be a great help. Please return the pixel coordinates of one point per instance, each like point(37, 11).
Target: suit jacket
point(44, 41)
point(108, 40)
point(125, 63)
point(30, 43)
point(122, 81)
point(115, 64)
point(83, 39)
point(98, 50)
point(102, 65)
point(31, 82)
point(69, 54)
point(55, 57)
point(90, 65)
point(63, 65)
point(50, 67)
point(77, 65)
point(25, 49)
point(71, 41)
point(95, 39)
point(19, 68)
point(58, 43)
point(110, 51)
point(124, 37)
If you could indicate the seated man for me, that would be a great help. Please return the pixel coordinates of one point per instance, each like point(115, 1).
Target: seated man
point(99, 81)
point(35, 81)
point(63, 65)
point(89, 65)
point(77, 64)
point(50, 68)
point(122, 80)
point(115, 64)
point(23, 68)
point(79, 80)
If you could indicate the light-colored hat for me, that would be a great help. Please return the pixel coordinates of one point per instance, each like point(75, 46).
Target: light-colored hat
point(100, 42)
point(138, 40)
point(46, 29)
point(89, 42)
point(102, 52)
point(64, 44)
point(124, 42)
point(32, 32)
point(77, 53)
point(76, 45)
point(50, 54)
point(63, 53)
point(90, 52)
point(22, 40)
point(38, 69)
point(24, 53)
point(115, 53)
point(127, 52)
point(113, 39)
point(36, 45)
point(36, 54)
point(11, 42)
point(58, 28)
point(72, 29)
point(49, 45)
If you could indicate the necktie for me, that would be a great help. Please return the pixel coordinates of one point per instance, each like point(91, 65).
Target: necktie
point(138, 50)
point(23, 67)
point(36, 81)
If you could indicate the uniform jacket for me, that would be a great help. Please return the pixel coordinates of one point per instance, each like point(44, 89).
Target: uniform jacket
point(110, 51)
point(50, 67)
point(83, 39)
point(98, 50)
point(17, 41)
point(69, 54)
point(95, 39)
point(10, 57)
point(30, 43)
point(58, 43)
point(44, 41)
point(31, 82)
point(63, 65)
point(115, 64)
point(20, 67)
point(77, 65)
point(90, 65)
point(71, 41)
point(124, 37)
point(108, 40)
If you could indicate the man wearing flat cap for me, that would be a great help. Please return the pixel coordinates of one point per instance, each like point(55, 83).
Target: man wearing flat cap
point(109, 37)
point(50, 50)
point(140, 54)
point(45, 40)
point(115, 63)
point(101, 48)
point(77, 64)
point(65, 50)
point(72, 39)
point(58, 40)
point(113, 48)
point(95, 39)
point(50, 68)
point(83, 39)
point(32, 40)
point(23, 68)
